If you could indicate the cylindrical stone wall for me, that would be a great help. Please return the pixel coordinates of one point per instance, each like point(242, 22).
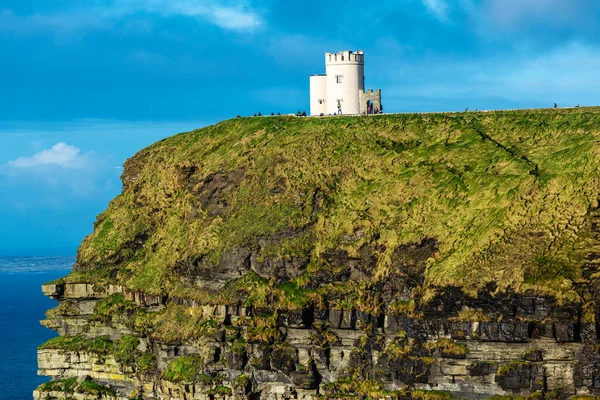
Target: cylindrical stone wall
point(318, 95)
point(345, 79)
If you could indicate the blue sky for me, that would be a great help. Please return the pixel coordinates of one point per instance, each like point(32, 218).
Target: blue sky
point(84, 85)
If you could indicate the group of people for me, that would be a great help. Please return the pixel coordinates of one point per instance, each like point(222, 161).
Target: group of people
point(576, 106)
point(374, 110)
point(370, 110)
point(259, 114)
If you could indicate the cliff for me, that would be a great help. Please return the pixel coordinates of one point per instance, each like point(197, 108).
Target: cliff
point(423, 256)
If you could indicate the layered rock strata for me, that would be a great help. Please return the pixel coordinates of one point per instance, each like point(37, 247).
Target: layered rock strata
point(313, 353)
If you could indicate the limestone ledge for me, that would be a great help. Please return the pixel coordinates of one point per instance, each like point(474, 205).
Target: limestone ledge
point(39, 395)
point(55, 363)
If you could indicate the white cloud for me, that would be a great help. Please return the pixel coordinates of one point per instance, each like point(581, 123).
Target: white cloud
point(439, 8)
point(53, 174)
point(232, 15)
point(514, 14)
point(230, 18)
point(61, 154)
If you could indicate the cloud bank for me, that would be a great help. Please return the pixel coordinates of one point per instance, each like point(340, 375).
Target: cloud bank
point(514, 14)
point(238, 16)
point(231, 15)
point(61, 154)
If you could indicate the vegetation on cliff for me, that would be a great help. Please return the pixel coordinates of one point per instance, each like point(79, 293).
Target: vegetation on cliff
point(466, 200)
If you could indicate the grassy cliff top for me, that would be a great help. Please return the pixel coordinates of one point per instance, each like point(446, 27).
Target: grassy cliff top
point(464, 199)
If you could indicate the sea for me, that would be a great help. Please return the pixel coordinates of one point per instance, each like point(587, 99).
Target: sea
point(22, 307)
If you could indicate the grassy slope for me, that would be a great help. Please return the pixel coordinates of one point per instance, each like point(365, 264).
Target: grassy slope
point(507, 195)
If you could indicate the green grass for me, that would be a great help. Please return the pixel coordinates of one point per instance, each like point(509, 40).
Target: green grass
point(172, 325)
point(126, 349)
point(146, 362)
point(510, 367)
point(101, 345)
point(94, 389)
point(114, 305)
point(448, 348)
point(220, 391)
point(70, 386)
point(359, 388)
point(507, 196)
point(431, 395)
point(184, 369)
point(241, 381)
point(59, 385)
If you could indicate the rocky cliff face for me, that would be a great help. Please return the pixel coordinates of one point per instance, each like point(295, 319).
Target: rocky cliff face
point(401, 257)
point(239, 352)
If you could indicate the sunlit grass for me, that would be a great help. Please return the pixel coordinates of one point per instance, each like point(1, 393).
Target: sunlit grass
point(505, 194)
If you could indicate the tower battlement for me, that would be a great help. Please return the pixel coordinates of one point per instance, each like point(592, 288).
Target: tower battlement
point(345, 57)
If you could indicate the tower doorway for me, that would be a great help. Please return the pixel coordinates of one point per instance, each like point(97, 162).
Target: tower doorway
point(369, 107)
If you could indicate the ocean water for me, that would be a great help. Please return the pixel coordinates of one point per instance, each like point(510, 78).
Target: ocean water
point(22, 306)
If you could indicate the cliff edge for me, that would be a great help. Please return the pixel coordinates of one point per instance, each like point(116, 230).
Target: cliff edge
point(424, 256)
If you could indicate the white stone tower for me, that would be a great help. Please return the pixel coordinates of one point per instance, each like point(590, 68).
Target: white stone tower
point(342, 88)
point(345, 80)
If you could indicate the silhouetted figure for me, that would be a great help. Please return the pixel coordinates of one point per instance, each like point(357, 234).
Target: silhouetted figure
point(376, 110)
point(467, 109)
point(555, 106)
point(577, 106)
point(298, 114)
point(278, 113)
point(381, 108)
point(304, 113)
point(237, 116)
point(272, 114)
point(259, 114)
point(321, 115)
point(254, 115)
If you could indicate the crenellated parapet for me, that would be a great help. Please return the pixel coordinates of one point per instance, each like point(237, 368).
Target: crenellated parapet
point(345, 57)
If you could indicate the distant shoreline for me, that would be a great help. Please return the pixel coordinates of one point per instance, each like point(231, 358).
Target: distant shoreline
point(35, 264)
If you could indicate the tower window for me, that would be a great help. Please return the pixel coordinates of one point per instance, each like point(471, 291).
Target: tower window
point(338, 78)
point(320, 101)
